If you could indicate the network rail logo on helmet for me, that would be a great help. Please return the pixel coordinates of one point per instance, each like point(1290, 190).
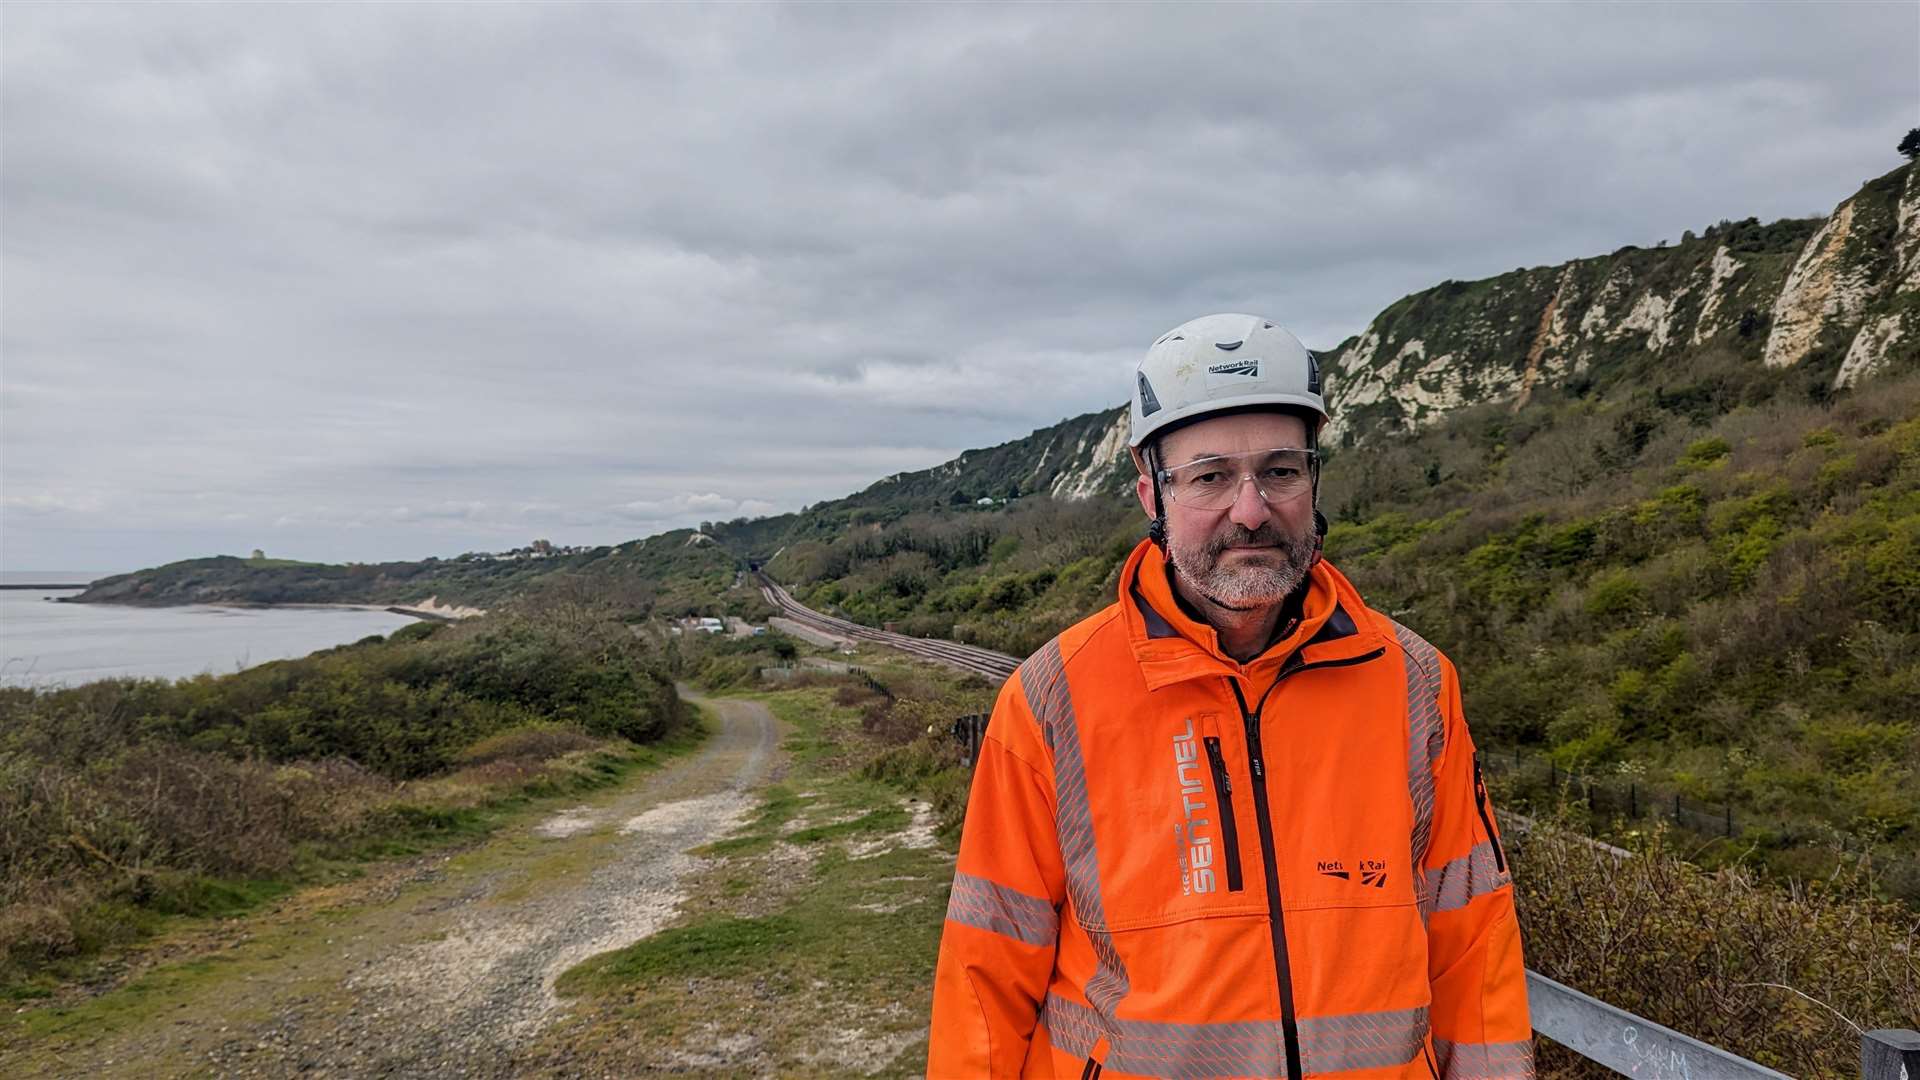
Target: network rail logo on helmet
point(1248, 368)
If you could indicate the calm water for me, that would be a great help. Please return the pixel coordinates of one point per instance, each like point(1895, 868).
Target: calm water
point(43, 643)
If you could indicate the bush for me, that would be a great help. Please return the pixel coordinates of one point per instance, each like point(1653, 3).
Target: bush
point(1616, 598)
point(125, 798)
point(1704, 453)
point(536, 742)
point(1719, 956)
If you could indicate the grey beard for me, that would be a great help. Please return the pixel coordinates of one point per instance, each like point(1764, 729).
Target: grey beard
point(1243, 586)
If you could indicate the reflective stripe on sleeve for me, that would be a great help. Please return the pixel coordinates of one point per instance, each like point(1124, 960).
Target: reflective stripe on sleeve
point(1426, 733)
point(1043, 678)
point(1454, 885)
point(988, 905)
point(1484, 1061)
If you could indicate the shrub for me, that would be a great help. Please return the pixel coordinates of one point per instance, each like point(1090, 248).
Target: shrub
point(1615, 598)
point(420, 630)
point(535, 742)
point(123, 798)
point(1719, 956)
point(1704, 453)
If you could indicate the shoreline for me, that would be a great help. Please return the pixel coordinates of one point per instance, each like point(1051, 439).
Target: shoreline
point(45, 650)
point(430, 609)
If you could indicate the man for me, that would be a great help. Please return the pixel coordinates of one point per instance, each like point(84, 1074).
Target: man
point(1232, 825)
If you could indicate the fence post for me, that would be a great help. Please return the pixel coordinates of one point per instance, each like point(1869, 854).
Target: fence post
point(1729, 820)
point(1890, 1054)
point(1633, 800)
point(1676, 808)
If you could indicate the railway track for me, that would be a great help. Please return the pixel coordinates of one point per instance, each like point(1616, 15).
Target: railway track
point(980, 661)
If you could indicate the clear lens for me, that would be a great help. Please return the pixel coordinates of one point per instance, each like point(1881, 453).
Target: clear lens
point(1212, 483)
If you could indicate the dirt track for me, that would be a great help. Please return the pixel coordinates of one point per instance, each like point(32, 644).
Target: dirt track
point(437, 967)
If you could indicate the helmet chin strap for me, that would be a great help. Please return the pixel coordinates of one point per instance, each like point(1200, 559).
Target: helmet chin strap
point(1157, 528)
point(1319, 519)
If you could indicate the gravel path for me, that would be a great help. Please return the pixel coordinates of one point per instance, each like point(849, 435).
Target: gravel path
point(447, 977)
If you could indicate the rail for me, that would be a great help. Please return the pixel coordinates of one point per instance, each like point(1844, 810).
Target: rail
point(980, 661)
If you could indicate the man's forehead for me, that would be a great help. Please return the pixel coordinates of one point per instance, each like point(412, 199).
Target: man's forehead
point(1233, 434)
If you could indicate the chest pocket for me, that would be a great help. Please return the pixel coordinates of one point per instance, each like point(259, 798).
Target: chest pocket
point(1172, 817)
point(1337, 787)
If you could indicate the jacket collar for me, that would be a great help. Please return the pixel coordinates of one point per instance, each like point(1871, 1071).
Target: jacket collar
point(1172, 647)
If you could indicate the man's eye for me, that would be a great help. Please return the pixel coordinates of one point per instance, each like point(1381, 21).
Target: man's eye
point(1280, 472)
point(1210, 478)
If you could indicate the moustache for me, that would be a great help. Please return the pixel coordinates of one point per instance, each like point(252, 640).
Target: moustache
point(1267, 535)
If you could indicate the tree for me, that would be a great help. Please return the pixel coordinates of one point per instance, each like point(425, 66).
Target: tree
point(1910, 146)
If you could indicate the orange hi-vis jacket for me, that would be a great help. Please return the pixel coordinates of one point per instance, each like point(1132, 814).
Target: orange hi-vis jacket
point(1175, 864)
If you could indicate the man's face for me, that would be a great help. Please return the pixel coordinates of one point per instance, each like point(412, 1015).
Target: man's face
point(1252, 553)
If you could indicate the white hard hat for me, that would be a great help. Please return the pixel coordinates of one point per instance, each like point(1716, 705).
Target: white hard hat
point(1221, 362)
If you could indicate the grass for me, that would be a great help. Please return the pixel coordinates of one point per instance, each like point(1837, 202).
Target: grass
point(199, 902)
point(806, 934)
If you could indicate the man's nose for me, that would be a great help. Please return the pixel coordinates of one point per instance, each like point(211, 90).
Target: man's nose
point(1249, 510)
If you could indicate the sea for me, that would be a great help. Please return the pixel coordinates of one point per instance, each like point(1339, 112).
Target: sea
point(46, 644)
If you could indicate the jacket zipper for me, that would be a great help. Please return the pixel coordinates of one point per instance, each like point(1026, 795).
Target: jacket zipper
point(1229, 829)
point(1486, 819)
point(1263, 818)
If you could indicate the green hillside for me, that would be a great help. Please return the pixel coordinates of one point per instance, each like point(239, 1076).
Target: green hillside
point(673, 573)
point(1073, 459)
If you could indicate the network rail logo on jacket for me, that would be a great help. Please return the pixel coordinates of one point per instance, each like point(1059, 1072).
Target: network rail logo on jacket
point(1372, 871)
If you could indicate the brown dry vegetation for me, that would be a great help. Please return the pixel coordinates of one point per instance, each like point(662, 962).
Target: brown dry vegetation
point(123, 802)
point(1785, 975)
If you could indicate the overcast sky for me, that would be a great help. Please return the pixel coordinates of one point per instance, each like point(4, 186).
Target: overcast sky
point(384, 281)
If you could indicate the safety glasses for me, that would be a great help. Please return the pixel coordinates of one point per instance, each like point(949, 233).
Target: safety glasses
point(1213, 483)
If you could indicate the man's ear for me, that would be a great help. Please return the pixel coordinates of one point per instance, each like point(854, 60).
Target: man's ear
point(1142, 486)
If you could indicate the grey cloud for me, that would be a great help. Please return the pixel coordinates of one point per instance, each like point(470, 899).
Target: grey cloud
point(575, 268)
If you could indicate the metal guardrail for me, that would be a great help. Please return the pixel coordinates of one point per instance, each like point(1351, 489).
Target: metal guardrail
point(1890, 1055)
point(1630, 1045)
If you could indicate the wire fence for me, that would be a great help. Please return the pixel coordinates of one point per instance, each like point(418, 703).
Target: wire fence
point(968, 731)
point(866, 678)
point(1535, 779)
